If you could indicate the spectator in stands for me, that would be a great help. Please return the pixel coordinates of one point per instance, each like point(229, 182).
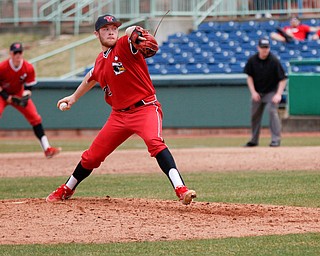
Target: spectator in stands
point(295, 31)
point(266, 81)
point(316, 36)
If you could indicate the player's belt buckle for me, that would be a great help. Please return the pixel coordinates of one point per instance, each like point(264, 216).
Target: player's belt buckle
point(141, 103)
point(136, 105)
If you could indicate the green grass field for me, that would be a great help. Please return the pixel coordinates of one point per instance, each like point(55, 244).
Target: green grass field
point(294, 188)
point(31, 144)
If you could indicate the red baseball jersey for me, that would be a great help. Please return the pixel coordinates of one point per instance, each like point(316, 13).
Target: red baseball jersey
point(13, 79)
point(300, 32)
point(123, 75)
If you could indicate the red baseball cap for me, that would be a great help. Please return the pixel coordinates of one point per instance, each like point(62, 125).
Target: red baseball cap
point(16, 47)
point(106, 19)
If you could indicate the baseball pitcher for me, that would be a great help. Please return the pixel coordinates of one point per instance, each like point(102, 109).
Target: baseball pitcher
point(122, 73)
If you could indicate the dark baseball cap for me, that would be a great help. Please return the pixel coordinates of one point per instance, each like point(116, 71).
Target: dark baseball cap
point(106, 19)
point(16, 47)
point(264, 43)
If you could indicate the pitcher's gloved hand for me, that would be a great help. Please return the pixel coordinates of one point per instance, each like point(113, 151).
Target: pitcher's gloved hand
point(20, 101)
point(144, 42)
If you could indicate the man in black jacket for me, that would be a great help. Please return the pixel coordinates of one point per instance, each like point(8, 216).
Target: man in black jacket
point(266, 81)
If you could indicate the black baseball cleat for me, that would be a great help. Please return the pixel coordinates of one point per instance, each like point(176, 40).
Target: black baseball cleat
point(274, 144)
point(251, 144)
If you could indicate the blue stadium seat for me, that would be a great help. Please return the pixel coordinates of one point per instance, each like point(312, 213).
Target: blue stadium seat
point(305, 69)
point(316, 69)
point(241, 57)
point(155, 69)
point(216, 68)
point(248, 26)
point(229, 26)
point(284, 23)
point(236, 68)
point(312, 22)
point(209, 26)
point(269, 26)
point(314, 44)
point(224, 47)
point(307, 54)
point(285, 65)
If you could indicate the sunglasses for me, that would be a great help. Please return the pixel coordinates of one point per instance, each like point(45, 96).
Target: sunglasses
point(19, 52)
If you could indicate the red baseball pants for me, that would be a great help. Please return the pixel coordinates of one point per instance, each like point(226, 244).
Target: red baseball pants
point(145, 121)
point(29, 112)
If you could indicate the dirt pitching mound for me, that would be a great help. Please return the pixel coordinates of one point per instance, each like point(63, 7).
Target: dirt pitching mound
point(105, 220)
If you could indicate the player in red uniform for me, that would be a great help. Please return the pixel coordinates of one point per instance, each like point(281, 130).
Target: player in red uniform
point(17, 78)
point(296, 31)
point(122, 73)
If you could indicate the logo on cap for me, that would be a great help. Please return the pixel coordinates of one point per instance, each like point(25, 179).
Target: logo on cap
point(264, 43)
point(16, 47)
point(108, 18)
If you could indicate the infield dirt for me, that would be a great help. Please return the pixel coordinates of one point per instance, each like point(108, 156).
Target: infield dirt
point(104, 220)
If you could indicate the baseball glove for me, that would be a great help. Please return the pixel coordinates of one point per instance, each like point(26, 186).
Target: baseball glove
point(20, 101)
point(148, 47)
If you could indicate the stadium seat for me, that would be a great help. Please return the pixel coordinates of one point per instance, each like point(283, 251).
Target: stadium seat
point(312, 22)
point(305, 69)
point(316, 69)
point(236, 68)
point(209, 26)
point(248, 26)
point(224, 47)
point(216, 68)
point(269, 26)
point(229, 26)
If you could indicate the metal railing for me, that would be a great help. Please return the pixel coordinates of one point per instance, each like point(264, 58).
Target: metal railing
point(75, 11)
point(86, 11)
point(71, 48)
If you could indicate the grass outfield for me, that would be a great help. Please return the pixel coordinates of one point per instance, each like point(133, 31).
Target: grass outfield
point(289, 245)
point(31, 144)
point(294, 188)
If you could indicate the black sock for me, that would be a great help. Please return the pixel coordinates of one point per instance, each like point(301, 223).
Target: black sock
point(38, 131)
point(80, 173)
point(166, 162)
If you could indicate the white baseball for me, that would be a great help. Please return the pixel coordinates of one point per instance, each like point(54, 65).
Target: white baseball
point(63, 106)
